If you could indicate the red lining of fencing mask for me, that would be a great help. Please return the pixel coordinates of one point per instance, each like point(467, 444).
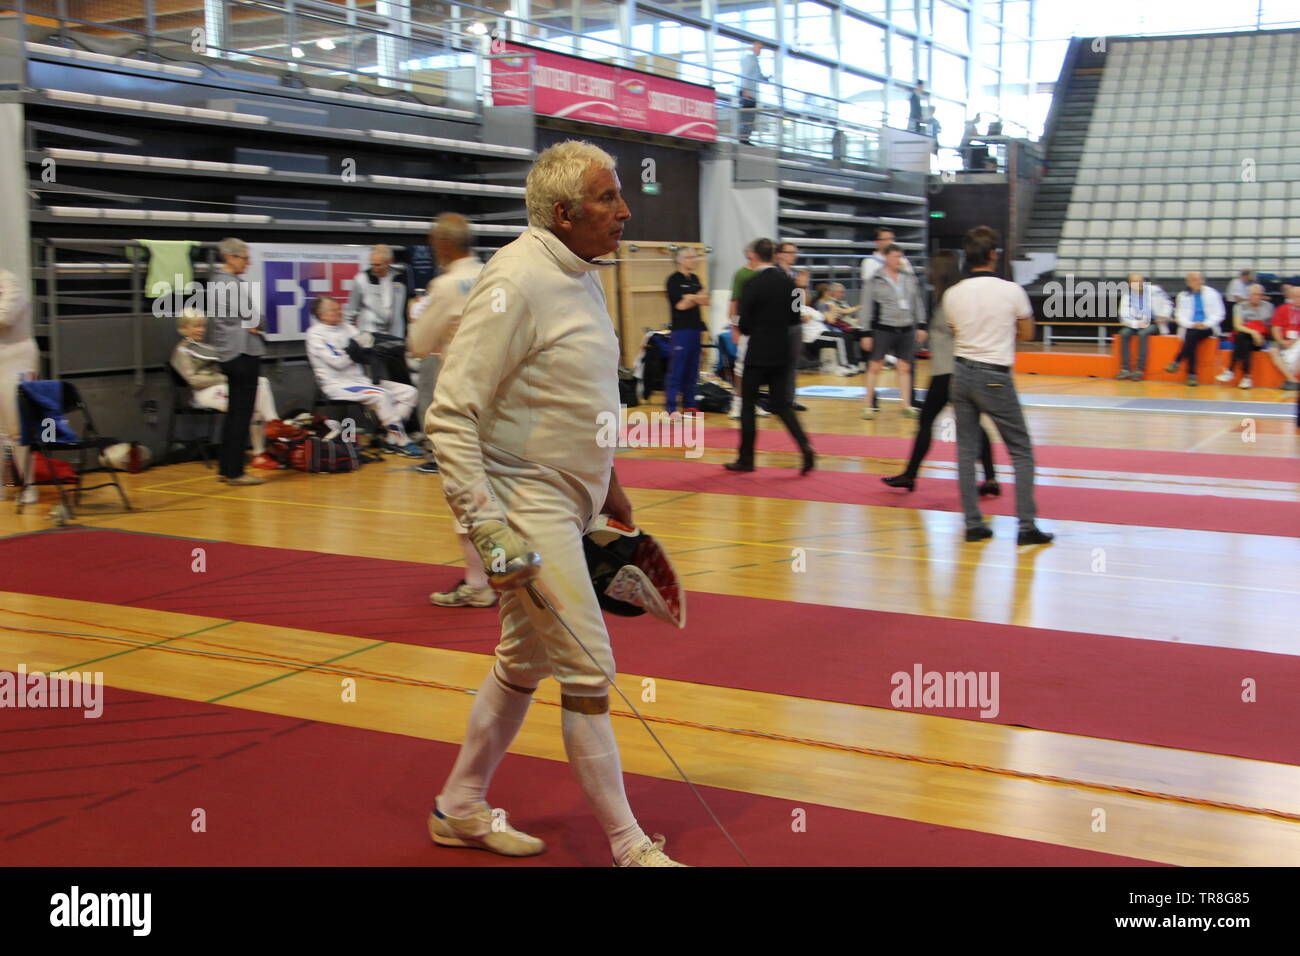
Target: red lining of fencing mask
point(632, 574)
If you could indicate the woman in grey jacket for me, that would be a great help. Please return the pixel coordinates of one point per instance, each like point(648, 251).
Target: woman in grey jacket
point(943, 273)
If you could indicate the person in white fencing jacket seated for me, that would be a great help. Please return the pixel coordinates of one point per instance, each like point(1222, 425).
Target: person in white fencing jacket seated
point(332, 350)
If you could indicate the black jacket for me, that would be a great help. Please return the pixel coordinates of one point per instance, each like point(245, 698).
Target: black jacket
point(767, 310)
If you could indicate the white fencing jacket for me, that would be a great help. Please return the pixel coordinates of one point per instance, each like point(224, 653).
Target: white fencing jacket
point(327, 352)
point(1157, 307)
point(436, 315)
point(1210, 299)
point(528, 380)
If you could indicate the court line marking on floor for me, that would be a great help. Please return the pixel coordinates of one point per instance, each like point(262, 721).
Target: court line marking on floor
point(297, 671)
point(908, 557)
point(1206, 803)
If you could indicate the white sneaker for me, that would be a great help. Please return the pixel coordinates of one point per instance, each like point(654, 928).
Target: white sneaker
point(1224, 376)
point(1245, 382)
point(486, 830)
point(462, 595)
point(846, 370)
point(735, 408)
point(650, 853)
point(31, 495)
point(868, 413)
point(763, 412)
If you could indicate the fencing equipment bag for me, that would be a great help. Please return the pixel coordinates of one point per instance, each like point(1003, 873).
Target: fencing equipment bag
point(632, 574)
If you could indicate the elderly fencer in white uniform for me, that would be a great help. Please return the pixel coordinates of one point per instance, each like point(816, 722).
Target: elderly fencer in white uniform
point(531, 372)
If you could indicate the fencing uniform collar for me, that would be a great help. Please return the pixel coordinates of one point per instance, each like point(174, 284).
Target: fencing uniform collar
point(566, 258)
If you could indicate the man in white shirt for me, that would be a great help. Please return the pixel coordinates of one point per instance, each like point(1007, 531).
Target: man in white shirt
point(1239, 288)
point(986, 315)
point(434, 319)
point(1199, 312)
point(876, 261)
point(516, 427)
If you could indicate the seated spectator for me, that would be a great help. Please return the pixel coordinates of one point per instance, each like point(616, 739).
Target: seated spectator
point(1139, 310)
point(197, 363)
point(1250, 322)
point(1285, 329)
point(1199, 314)
point(1239, 288)
point(331, 350)
point(815, 330)
point(837, 315)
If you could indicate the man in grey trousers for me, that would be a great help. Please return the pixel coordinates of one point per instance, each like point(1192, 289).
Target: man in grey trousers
point(986, 315)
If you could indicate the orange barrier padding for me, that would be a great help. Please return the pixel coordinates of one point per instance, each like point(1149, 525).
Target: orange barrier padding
point(1161, 349)
point(1081, 364)
point(1210, 361)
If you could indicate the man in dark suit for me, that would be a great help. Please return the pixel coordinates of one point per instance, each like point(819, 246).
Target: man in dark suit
point(769, 306)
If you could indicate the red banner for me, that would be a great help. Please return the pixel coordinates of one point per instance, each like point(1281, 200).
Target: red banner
point(591, 92)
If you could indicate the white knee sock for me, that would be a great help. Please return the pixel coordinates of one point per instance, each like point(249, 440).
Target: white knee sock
point(593, 755)
point(257, 435)
point(475, 575)
point(495, 718)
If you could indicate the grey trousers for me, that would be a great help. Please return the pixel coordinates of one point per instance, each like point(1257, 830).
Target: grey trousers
point(976, 390)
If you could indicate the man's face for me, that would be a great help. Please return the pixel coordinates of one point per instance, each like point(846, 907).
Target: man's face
point(1194, 281)
point(598, 227)
point(1294, 297)
point(894, 260)
point(196, 329)
point(801, 279)
point(788, 256)
point(331, 313)
point(886, 239)
point(379, 264)
point(238, 262)
point(688, 261)
point(1253, 296)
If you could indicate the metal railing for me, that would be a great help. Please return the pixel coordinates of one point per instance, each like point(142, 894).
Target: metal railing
point(421, 55)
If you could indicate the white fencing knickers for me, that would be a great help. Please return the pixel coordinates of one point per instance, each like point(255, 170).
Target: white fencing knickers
point(552, 519)
point(392, 401)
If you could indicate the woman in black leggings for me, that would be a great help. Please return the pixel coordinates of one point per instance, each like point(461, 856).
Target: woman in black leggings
point(943, 273)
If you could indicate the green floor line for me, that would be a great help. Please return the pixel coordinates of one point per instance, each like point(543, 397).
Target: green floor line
point(142, 647)
point(299, 670)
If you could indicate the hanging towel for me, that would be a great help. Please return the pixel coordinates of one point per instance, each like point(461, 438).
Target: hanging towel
point(169, 266)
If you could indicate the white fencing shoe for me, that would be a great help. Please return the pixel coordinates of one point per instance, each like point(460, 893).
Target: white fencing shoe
point(488, 829)
point(650, 853)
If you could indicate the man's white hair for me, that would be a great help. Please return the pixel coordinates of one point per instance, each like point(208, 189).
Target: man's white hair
point(232, 247)
point(382, 250)
point(684, 251)
point(559, 175)
point(1255, 287)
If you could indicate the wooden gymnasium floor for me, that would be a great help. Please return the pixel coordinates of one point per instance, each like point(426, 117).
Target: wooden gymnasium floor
point(1130, 642)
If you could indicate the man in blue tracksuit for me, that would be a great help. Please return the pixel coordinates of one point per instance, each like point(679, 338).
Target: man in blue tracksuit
point(685, 296)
